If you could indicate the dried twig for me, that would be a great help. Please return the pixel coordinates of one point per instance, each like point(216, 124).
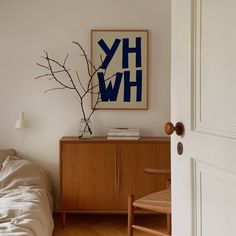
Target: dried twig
point(71, 85)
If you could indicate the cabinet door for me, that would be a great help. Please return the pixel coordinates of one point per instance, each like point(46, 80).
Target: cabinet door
point(88, 176)
point(133, 159)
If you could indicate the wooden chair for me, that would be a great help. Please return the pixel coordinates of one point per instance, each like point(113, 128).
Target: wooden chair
point(158, 202)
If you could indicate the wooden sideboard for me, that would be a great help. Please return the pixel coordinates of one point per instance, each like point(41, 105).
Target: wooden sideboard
point(97, 175)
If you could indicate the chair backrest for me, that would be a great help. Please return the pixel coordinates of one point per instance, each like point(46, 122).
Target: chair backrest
point(157, 171)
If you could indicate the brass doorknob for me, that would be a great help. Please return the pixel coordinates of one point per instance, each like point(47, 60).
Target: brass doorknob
point(178, 128)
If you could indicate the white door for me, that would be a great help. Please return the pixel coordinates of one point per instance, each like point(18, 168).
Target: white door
point(203, 90)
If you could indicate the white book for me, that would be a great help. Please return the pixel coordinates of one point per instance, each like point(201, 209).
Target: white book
point(123, 132)
point(123, 138)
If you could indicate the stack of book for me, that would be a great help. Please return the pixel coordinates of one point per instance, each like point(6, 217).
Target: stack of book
point(123, 133)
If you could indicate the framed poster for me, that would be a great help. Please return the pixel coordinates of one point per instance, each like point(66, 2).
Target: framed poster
point(120, 67)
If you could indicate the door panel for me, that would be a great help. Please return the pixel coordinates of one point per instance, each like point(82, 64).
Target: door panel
point(215, 199)
point(214, 60)
point(203, 98)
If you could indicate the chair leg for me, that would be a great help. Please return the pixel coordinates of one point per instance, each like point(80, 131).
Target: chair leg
point(130, 215)
point(169, 224)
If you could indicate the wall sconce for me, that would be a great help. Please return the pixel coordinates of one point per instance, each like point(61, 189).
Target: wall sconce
point(21, 123)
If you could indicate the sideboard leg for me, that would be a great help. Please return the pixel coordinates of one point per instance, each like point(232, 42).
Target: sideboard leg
point(63, 219)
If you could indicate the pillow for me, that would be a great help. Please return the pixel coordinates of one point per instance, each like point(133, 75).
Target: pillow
point(6, 152)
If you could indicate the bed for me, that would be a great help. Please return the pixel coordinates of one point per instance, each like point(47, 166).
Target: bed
point(25, 197)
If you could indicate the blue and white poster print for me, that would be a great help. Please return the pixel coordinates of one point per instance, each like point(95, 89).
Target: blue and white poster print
point(122, 59)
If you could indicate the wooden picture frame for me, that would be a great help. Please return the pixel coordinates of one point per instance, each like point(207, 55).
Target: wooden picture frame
point(122, 80)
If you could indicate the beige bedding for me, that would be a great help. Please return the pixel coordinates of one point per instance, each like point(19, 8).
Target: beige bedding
point(25, 199)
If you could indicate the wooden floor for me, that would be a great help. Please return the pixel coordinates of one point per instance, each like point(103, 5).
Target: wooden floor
point(104, 225)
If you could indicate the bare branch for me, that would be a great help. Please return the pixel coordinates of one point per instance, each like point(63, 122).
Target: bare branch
point(52, 73)
point(78, 99)
point(45, 75)
point(38, 64)
point(95, 105)
point(59, 71)
point(104, 80)
point(80, 81)
point(86, 57)
point(55, 67)
point(41, 76)
point(54, 89)
point(64, 63)
point(66, 71)
point(91, 64)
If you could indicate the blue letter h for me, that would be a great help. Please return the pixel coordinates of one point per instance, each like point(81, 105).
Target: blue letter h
point(128, 84)
point(127, 50)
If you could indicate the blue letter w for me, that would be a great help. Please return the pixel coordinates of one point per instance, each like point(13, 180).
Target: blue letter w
point(109, 92)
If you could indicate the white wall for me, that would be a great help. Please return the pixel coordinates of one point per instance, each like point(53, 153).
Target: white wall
point(27, 27)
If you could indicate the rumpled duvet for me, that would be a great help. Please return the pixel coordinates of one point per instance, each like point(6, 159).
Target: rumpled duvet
point(25, 199)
